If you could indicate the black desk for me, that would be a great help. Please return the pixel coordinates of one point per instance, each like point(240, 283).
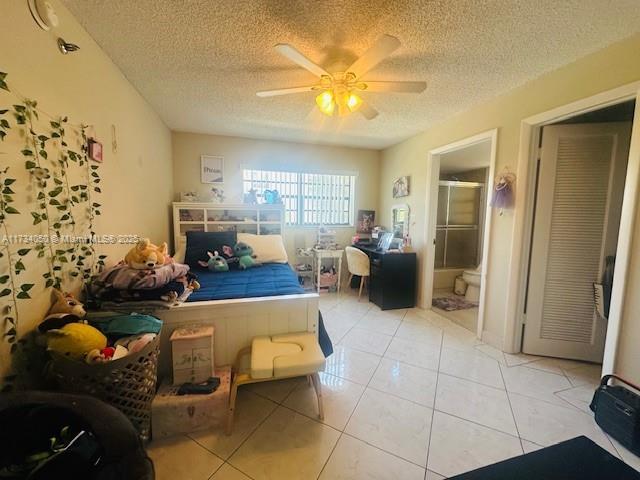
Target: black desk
point(392, 283)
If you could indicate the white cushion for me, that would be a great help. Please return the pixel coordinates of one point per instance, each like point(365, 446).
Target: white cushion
point(266, 248)
point(178, 257)
point(286, 355)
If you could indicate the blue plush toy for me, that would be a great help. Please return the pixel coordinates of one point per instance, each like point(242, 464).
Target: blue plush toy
point(216, 263)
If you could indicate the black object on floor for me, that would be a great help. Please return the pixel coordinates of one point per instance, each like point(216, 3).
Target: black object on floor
point(28, 419)
point(204, 388)
point(576, 459)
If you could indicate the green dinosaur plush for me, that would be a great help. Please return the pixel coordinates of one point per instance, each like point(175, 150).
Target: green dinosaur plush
point(245, 256)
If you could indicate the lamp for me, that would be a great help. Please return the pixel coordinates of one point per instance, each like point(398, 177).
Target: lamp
point(347, 102)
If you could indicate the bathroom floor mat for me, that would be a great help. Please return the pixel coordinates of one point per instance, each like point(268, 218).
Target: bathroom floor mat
point(452, 303)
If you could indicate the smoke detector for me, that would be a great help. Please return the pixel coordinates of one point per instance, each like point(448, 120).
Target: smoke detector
point(44, 14)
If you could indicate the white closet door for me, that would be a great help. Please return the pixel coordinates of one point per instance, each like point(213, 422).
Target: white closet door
point(579, 196)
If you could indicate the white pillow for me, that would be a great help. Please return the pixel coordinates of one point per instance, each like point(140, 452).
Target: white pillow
point(178, 257)
point(266, 248)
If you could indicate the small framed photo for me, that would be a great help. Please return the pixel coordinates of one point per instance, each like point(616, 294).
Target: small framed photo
point(401, 187)
point(94, 148)
point(211, 169)
point(365, 221)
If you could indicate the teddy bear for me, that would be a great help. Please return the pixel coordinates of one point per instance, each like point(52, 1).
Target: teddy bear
point(147, 256)
point(66, 332)
point(216, 263)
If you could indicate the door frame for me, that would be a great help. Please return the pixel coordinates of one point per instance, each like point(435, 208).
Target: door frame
point(530, 131)
point(431, 211)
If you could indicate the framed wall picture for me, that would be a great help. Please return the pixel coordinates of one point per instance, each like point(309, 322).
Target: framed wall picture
point(365, 221)
point(401, 186)
point(211, 169)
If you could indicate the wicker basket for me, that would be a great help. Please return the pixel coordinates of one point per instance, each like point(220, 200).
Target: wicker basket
point(129, 383)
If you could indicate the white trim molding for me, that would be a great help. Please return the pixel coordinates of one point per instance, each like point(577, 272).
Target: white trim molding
point(529, 140)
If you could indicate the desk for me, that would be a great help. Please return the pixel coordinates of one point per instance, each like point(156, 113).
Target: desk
point(392, 283)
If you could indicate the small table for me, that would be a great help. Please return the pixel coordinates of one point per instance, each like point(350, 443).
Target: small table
point(320, 255)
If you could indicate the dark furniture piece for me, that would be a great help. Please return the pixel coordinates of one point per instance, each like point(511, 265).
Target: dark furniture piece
point(576, 459)
point(392, 281)
point(122, 456)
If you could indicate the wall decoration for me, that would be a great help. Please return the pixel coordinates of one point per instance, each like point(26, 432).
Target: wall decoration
point(503, 195)
point(95, 150)
point(401, 187)
point(211, 169)
point(217, 195)
point(365, 221)
point(51, 198)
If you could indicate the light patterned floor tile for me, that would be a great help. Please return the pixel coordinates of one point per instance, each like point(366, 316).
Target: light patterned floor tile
point(287, 445)
point(406, 381)
point(276, 390)
point(580, 397)
point(424, 333)
point(546, 424)
point(378, 323)
point(529, 447)
point(479, 403)
point(366, 341)
point(352, 364)
point(458, 446)
point(471, 365)
point(433, 476)
point(356, 460)
point(584, 375)
point(535, 383)
point(181, 457)
point(227, 472)
point(340, 398)
point(251, 409)
point(628, 457)
point(392, 424)
point(414, 353)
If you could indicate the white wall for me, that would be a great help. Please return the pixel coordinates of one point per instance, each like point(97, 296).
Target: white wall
point(603, 70)
point(137, 182)
point(244, 152)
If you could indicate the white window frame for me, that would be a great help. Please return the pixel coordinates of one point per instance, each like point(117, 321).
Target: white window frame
point(302, 200)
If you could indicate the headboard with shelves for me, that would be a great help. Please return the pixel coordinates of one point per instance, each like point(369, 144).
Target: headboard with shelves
point(216, 217)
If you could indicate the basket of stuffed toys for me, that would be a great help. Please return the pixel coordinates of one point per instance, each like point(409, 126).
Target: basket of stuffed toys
point(112, 356)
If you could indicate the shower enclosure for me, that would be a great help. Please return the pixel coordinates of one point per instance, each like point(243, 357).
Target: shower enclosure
point(459, 224)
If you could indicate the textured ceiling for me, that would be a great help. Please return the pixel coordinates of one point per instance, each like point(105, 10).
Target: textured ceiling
point(199, 63)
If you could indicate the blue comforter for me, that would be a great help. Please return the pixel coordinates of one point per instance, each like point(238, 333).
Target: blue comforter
point(267, 280)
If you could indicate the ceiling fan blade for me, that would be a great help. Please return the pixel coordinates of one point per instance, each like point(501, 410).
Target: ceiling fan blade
point(295, 56)
point(401, 87)
point(285, 91)
point(384, 46)
point(368, 111)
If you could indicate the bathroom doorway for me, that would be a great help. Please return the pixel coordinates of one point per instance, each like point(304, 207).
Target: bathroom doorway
point(461, 179)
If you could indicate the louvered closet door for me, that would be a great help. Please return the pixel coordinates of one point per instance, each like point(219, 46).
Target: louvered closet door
point(578, 200)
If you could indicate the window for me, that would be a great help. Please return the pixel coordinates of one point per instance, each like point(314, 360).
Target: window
point(309, 198)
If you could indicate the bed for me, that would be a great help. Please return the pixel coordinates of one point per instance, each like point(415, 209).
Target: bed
point(240, 305)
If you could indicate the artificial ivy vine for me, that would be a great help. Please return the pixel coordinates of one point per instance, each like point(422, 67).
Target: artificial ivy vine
point(62, 207)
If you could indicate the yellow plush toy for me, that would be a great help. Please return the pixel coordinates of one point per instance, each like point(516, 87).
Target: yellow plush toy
point(74, 340)
point(145, 255)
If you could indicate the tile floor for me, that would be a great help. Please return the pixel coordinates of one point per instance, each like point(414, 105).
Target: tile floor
point(467, 317)
point(408, 395)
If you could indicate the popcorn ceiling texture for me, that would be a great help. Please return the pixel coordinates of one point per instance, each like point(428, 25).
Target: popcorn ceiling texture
point(199, 63)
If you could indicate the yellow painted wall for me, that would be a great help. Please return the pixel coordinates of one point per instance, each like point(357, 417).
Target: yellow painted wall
point(609, 68)
point(137, 182)
point(272, 155)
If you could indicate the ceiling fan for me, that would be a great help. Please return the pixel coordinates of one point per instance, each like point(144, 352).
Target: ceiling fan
point(339, 91)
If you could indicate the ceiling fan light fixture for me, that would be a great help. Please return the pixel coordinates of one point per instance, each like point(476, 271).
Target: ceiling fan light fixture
point(326, 103)
point(354, 102)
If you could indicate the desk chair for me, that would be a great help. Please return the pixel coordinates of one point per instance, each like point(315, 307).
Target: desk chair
point(358, 264)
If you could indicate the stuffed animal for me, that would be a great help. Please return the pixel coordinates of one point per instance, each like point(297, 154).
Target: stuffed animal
point(272, 197)
point(216, 263)
point(135, 343)
point(107, 354)
point(65, 309)
point(146, 256)
point(245, 256)
point(75, 340)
